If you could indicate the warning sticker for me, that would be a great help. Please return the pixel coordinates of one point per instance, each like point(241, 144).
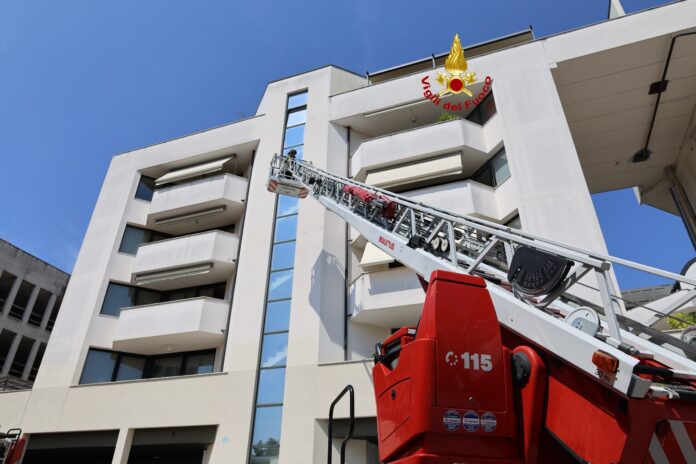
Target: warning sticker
point(452, 420)
point(470, 421)
point(488, 421)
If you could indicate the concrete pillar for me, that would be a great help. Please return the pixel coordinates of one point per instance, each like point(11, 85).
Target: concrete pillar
point(49, 310)
point(11, 297)
point(31, 359)
point(11, 355)
point(123, 446)
point(30, 304)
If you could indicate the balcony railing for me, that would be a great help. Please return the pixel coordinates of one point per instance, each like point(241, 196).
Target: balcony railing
point(175, 326)
point(200, 204)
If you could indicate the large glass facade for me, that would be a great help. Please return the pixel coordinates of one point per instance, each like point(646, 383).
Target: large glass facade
point(265, 442)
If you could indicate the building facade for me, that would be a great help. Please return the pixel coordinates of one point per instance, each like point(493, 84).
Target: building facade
point(208, 320)
point(31, 292)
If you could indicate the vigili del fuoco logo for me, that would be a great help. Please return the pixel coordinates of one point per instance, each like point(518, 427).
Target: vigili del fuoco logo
point(455, 80)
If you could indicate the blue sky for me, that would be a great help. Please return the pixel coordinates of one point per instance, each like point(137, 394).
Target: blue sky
point(82, 80)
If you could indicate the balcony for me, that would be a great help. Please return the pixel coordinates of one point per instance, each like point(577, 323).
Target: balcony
point(200, 204)
point(388, 299)
point(477, 144)
point(187, 261)
point(184, 325)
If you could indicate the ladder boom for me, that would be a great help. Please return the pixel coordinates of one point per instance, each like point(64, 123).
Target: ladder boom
point(425, 238)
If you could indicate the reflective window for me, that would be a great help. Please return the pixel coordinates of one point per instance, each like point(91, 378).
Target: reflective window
point(166, 367)
point(99, 366)
point(297, 100)
point(117, 297)
point(6, 281)
point(266, 441)
point(500, 167)
point(133, 237)
point(146, 187)
point(271, 386)
point(275, 350)
point(294, 136)
point(283, 255)
point(277, 316)
point(280, 285)
point(130, 368)
point(297, 117)
point(287, 205)
point(285, 229)
point(199, 364)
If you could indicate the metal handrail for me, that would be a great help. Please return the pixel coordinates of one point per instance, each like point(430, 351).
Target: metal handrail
point(351, 423)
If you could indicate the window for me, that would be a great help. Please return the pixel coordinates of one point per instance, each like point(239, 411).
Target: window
point(495, 171)
point(136, 236)
point(199, 364)
point(166, 367)
point(6, 282)
point(265, 440)
point(99, 366)
point(21, 300)
point(146, 188)
point(515, 222)
point(37, 313)
point(119, 296)
point(108, 366)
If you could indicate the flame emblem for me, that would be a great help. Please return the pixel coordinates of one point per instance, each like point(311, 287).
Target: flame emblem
point(455, 78)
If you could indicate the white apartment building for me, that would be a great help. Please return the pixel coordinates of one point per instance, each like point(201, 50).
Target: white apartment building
point(208, 320)
point(31, 292)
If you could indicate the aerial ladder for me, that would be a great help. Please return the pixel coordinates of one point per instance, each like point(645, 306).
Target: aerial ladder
point(524, 352)
point(11, 446)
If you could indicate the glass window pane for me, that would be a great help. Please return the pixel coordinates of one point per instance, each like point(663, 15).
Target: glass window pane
point(275, 350)
point(117, 297)
point(285, 229)
point(99, 366)
point(199, 363)
point(287, 205)
point(166, 367)
point(501, 170)
point(297, 117)
point(280, 285)
point(146, 187)
point(283, 255)
point(271, 386)
point(37, 313)
point(277, 316)
point(132, 237)
point(294, 136)
point(299, 99)
point(266, 440)
point(130, 368)
point(485, 177)
point(299, 149)
point(145, 296)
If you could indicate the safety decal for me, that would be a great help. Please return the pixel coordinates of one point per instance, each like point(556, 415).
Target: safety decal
point(470, 421)
point(488, 421)
point(452, 420)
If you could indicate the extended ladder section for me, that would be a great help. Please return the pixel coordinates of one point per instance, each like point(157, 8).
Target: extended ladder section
point(562, 298)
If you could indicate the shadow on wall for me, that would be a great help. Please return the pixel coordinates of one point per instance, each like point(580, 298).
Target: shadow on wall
point(327, 297)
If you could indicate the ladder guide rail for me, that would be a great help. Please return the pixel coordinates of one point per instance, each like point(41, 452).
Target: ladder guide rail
point(425, 238)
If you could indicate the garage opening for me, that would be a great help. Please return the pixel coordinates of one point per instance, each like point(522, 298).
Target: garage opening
point(73, 448)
